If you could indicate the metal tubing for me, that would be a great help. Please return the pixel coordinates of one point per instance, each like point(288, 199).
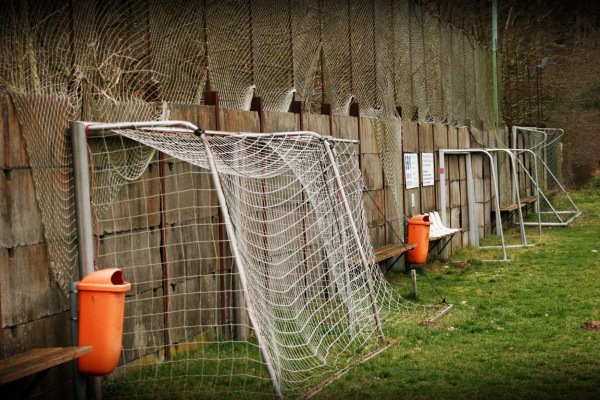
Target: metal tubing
point(566, 223)
point(78, 379)
point(516, 190)
point(361, 251)
point(91, 126)
point(535, 186)
point(83, 208)
point(473, 229)
point(94, 130)
point(494, 184)
point(81, 174)
point(240, 266)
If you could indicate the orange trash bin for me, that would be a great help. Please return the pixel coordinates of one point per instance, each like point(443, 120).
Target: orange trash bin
point(101, 311)
point(418, 233)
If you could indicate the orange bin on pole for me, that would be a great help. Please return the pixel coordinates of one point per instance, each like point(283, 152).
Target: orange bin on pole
point(418, 233)
point(101, 312)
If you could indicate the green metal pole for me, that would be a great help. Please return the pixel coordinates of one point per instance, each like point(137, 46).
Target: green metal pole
point(494, 62)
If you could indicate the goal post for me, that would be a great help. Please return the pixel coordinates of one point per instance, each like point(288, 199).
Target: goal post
point(236, 256)
point(248, 253)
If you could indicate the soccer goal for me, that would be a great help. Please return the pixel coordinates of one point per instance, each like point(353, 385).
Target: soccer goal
point(249, 256)
point(540, 164)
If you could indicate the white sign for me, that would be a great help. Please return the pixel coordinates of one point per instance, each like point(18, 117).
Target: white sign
point(427, 166)
point(411, 170)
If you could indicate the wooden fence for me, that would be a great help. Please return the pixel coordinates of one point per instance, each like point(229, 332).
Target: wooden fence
point(34, 313)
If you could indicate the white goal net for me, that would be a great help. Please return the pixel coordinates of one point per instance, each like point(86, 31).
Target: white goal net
point(249, 257)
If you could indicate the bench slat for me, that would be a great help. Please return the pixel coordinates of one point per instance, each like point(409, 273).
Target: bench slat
point(37, 360)
point(508, 208)
point(392, 250)
point(529, 199)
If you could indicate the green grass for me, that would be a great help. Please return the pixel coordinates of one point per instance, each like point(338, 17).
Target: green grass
point(514, 331)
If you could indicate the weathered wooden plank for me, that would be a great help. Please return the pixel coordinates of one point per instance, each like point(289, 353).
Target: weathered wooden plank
point(189, 193)
point(143, 323)
point(6, 240)
point(13, 150)
point(425, 138)
point(412, 203)
point(137, 253)
point(281, 122)
point(202, 116)
point(372, 171)
point(36, 360)
point(345, 127)
point(377, 234)
point(453, 167)
point(372, 204)
point(395, 222)
point(193, 307)
point(464, 216)
point(463, 193)
point(455, 223)
point(239, 121)
point(51, 331)
point(479, 188)
point(410, 136)
point(455, 194)
point(368, 137)
point(317, 123)
point(191, 249)
point(487, 213)
point(27, 292)
point(440, 136)
point(136, 205)
point(462, 168)
point(20, 217)
point(3, 289)
point(427, 199)
point(452, 137)
point(480, 210)
point(477, 161)
point(464, 138)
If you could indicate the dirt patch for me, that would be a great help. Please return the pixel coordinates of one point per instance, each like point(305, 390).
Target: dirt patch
point(432, 323)
point(463, 265)
point(591, 325)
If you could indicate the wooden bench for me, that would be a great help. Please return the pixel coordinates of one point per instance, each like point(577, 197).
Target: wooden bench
point(37, 361)
point(508, 208)
point(392, 250)
point(528, 200)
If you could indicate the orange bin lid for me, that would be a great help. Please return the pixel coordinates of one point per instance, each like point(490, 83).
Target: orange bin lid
point(105, 280)
point(420, 220)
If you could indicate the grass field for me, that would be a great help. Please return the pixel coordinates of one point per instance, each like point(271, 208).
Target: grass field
point(515, 329)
